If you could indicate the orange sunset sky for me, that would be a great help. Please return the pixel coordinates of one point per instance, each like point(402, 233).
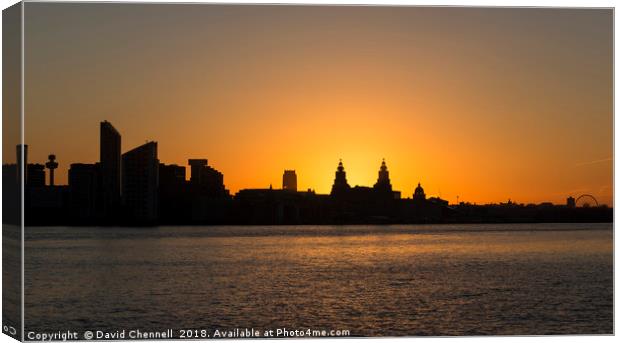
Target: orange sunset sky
point(484, 104)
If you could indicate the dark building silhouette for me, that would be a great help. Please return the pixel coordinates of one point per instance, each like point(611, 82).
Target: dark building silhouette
point(279, 206)
point(362, 195)
point(11, 195)
point(140, 179)
point(383, 181)
point(570, 202)
point(205, 179)
point(83, 190)
point(35, 175)
point(51, 165)
point(438, 201)
point(196, 167)
point(171, 176)
point(418, 194)
point(341, 186)
point(289, 180)
point(110, 169)
point(210, 201)
point(383, 186)
point(46, 204)
point(361, 204)
point(381, 191)
point(9, 175)
point(175, 203)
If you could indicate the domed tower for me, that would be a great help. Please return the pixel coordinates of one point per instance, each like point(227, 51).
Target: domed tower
point(383, 181)
point(340, 186)
point(418, 194)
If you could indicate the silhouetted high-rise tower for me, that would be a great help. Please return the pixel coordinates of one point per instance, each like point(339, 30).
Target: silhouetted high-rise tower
point(197, 165)
point(141, 182)
point(110, 164)
point(289, 180)
point(340, 186)
point(383, 181)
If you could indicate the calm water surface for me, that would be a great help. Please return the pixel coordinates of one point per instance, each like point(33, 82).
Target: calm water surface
point(371, 280)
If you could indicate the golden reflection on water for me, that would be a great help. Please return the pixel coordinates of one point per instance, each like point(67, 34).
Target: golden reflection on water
point(375, 281)
point(384, 246)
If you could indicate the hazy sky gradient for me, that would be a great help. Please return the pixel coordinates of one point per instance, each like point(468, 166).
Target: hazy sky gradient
point(487, 104)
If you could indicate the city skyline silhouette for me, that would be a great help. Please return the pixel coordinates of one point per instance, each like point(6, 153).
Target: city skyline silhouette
point(137, 188)
point(474, 109)
point(46, 173)
point(116, 143)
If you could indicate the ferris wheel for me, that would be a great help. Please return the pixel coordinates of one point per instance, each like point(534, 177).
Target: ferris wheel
point(585, 200)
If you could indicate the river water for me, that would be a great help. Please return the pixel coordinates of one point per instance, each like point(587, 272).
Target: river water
point(505, 279)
